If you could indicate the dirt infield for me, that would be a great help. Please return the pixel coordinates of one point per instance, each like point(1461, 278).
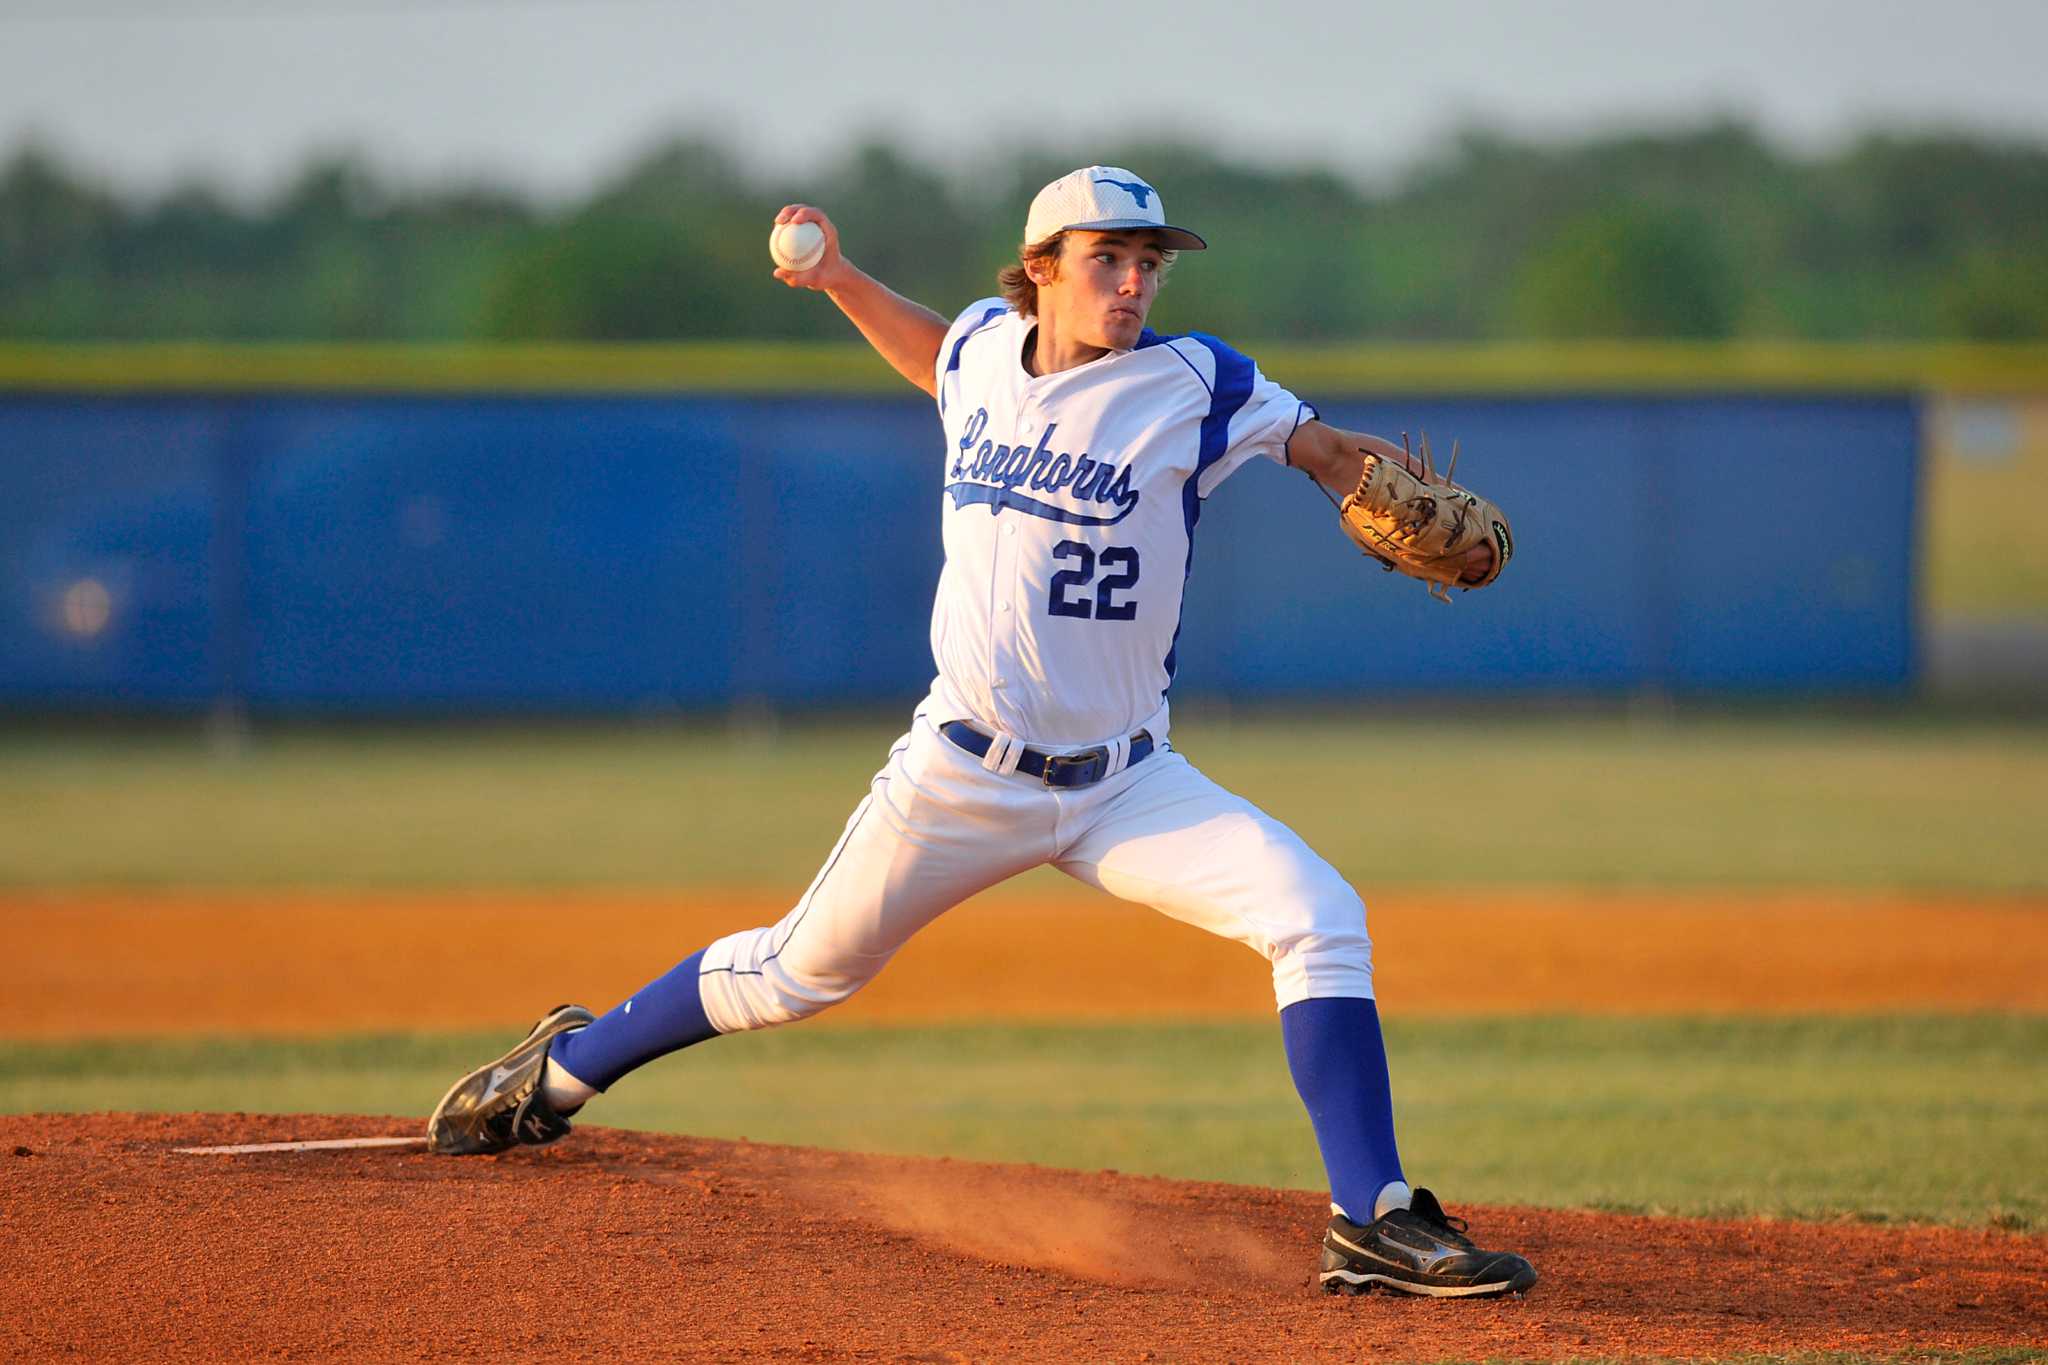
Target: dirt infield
point(100, 964)
point(617, 1245)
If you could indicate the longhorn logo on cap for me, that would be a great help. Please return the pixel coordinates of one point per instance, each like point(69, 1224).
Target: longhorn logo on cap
point(1137, 189)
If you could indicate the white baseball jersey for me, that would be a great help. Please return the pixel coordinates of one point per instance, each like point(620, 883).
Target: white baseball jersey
point(1070, 508)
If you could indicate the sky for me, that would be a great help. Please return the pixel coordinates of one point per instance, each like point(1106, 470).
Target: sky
point(553, 96)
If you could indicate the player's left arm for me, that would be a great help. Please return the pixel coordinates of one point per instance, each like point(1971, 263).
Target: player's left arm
point(1334, 458)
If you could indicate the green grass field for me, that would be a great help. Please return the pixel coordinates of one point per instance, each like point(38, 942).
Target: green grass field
point(1939, 1119)
point(1923, 1118)
point(1907, 800)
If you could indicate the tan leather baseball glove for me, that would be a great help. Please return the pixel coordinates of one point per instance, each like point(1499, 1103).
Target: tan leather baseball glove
point(1424, 527)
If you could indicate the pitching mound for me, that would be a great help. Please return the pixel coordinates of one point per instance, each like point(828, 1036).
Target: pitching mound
point(621, 1245)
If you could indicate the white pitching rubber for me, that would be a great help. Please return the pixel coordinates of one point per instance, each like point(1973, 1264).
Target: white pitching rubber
point(324, 1145)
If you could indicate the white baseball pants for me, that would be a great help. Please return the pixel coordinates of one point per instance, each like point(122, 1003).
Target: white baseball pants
point(937, 826)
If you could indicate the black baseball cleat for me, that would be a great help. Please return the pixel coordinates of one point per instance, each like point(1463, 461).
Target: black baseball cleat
point(1417, 1250)
point(501, 1104)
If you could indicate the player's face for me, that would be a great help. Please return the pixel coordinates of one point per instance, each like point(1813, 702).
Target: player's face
point(1106, 284)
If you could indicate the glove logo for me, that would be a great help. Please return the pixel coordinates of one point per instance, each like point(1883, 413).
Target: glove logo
point(1504, 543)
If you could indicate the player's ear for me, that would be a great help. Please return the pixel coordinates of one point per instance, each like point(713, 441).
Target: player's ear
point(1042, 262)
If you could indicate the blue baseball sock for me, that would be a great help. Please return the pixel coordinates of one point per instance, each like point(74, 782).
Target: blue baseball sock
point(664, 1016)
point(1339, 1061)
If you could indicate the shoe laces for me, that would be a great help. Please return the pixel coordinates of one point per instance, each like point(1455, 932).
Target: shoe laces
point(1425, 1205)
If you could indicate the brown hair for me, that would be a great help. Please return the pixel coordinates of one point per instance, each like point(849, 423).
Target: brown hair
point(1020, 291)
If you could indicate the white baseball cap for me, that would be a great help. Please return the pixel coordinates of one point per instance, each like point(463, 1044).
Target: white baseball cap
point(1102, 199)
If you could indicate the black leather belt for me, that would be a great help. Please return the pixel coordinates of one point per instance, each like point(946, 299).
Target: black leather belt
point(1054, 770)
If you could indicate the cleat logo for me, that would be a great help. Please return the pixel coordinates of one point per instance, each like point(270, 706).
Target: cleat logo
point(1365, 1252)
point(1429, 1252)
point(1424, 1258)
point(1436, 1256)
point(499, 1075)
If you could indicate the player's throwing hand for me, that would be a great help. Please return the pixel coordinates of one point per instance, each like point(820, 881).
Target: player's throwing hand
point(825, 275)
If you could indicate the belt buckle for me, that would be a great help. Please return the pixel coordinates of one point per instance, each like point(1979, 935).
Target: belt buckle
point(1096, 758)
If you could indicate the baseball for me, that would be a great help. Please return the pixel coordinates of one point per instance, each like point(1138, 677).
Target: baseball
point(797, 246)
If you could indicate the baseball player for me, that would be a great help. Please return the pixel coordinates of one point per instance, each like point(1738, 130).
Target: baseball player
point(1079, 448)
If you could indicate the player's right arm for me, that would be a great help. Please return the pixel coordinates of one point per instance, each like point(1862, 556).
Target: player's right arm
point(905, 333)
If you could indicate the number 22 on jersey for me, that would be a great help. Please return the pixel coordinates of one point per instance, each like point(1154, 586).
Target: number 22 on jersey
point(1069, 593)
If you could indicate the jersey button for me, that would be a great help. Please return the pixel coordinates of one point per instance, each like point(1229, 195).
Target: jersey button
point(1009, 530)
point(1004, 607)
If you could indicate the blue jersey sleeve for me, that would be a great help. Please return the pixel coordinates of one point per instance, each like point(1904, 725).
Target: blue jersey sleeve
point(976, 317)
point(1250, 415)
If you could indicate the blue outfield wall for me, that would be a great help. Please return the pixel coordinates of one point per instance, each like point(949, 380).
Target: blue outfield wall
point(561, 553)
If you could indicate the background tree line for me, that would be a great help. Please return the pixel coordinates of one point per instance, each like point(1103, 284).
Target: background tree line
point(1705, 232)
